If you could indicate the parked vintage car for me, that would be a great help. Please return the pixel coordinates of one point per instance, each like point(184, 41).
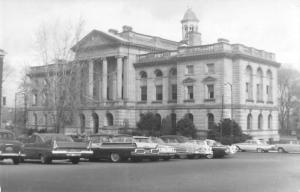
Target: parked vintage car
point(292, 146)
point(10, 148)
point(202, 149)
point(255, 145)
point(165, 151)
point(51, 146)
point(193, 149)
point(120, 147)
point(181, 150)
point(219, 150)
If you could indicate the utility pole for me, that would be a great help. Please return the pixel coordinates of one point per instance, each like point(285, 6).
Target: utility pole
point(2, 53)
point(231, 107)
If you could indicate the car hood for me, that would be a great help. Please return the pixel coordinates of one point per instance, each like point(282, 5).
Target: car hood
point(12, 142)
point(77, 145)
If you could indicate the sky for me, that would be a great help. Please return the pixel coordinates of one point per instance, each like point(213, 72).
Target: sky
point(270, 25)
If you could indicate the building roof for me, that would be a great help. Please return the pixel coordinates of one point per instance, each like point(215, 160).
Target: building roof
point(189, 16)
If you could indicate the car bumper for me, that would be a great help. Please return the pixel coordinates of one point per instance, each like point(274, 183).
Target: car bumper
point(70, 154)
point(11, 155)
point(166, 154)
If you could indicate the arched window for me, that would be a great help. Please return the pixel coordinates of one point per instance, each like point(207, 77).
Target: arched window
point(82, 123)
point(46, 120)
point(158, 85)
point(249, 121)
point(173, 120)
point(269, 86)
point(270, 121)
point(35, 120)
point(249, 83)
point(210, 120)
point(158, 121)
point(173, 84)
point(143, 75)
point(95, 122)
point(259, 85)
point(143, 86)
point(190, 116)
point(110, 119)
point(158, 73)
point(260, 121)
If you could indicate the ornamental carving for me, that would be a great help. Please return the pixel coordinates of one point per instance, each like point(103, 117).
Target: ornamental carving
point(188, 80)
point(208, 79)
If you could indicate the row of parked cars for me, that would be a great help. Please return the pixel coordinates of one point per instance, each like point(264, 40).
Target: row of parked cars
point(51, 146)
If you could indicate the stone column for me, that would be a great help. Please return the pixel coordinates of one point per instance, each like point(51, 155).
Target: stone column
point(91, 79)
point(104, 79)
point(119, 77)
point(125, 78)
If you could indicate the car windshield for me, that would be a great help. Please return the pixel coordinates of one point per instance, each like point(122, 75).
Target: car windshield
point(200, 142)
point(57, 137)
point(142, 140)
point(157, 140)
point(170, 140)
point(122, 140)
point(6, 136)
point(100, 139)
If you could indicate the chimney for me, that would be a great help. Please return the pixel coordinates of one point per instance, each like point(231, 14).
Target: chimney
point(127, 28)
point(113, 31)
point(222, 40)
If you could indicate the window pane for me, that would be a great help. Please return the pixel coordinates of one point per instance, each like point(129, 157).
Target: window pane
point(144, 93)
point(210, 68)
point(174, 92)
point(159, 92)
point(190, 90)
point(210, 91)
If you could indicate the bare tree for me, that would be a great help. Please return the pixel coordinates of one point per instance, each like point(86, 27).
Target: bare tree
point(59, 84)
point(289, 95)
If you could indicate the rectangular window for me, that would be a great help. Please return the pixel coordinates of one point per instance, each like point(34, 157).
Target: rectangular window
point(190, 69)
point(159, 94)
point(144, 93)
point(210, 91)
point(257, 92)
point(174, 92)
point(210, 68)
point(190, 92)
point(34, 99)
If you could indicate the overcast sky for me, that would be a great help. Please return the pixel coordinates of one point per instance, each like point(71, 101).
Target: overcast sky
point(271, 25)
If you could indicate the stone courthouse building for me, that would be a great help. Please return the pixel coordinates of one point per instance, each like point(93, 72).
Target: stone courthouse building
point(129, 73)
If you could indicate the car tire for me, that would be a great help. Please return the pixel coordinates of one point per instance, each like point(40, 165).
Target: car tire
point(136, 159)
point(154, 158)
point(75, 160)
point(259, 150)
point(210, 156)
point(115, 157)
point(16, 160)
point(281, 150)
point(191, 156)
point(45, 159)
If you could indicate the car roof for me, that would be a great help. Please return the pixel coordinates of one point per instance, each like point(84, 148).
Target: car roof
point(6, 131)
point(140, 137)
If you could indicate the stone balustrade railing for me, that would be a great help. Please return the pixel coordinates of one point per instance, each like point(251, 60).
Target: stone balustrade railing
point(208, 49)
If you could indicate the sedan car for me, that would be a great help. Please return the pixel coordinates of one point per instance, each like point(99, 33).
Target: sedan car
point(10, 148)
point(201, 149)
point(288, 146)
point(254, 145)
point(165, 151)
point(50, 146)
point(219, 150)
point(121, 147)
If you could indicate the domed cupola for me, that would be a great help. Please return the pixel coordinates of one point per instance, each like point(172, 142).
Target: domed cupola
point(190, 28)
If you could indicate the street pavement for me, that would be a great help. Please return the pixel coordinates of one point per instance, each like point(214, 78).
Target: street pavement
point(257, 172)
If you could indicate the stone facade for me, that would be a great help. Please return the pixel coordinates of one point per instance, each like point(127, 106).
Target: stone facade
point(128, 73)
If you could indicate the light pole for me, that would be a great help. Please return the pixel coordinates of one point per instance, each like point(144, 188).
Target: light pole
point(231, 107)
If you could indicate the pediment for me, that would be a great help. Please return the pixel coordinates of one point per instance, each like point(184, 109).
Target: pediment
point(209, 78)
point(188, 80)
point(97, 38)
